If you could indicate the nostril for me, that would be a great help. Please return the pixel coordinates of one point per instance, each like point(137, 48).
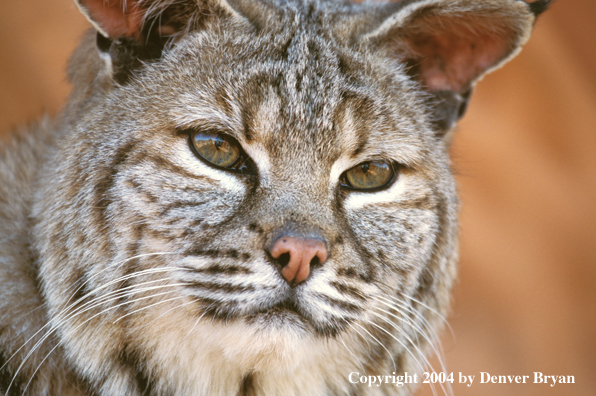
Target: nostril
point(283, 259)
point(315, 262)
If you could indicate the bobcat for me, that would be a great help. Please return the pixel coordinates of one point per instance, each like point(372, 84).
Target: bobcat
point(243, 197)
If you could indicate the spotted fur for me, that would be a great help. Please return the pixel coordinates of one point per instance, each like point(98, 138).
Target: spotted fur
point(128, 266)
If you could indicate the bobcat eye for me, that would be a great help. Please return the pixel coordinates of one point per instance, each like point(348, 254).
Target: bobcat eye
point(220, 150)
point(370, 175)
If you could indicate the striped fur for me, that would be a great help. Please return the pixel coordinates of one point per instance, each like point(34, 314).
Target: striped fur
point(130, 267)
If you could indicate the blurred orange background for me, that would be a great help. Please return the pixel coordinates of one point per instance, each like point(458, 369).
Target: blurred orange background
point(525, 155)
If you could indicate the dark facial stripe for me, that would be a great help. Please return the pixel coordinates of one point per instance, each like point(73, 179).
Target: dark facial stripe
point(81, 295)
point(248, 386)
point(218, 310)
point(422, 203)
point(427, 278)
point(180, 204)
point(132, 362)
point(348, 290)
point(132, 265)
point(81, 384)
point(102, 188)
point(214, 253)
point(344, 305)
point(6, 376)
point(246, 120)
point(225, 287)
point(347, 272)
point(217, 269)
point(368, 274)
point(138, 187)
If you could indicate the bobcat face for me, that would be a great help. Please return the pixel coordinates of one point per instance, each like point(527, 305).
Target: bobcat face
point(273, 179)
point(302, 122)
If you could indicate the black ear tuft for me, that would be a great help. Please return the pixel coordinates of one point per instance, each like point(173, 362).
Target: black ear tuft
point(538, 7)
point(103, 43)
point(127, 54)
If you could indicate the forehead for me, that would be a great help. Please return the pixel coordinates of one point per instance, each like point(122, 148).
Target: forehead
point(297, 85)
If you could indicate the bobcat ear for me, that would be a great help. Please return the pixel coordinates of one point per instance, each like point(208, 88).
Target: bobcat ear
point(447, 45)
point(138, 19)
point(133, 31)
point(114, 18)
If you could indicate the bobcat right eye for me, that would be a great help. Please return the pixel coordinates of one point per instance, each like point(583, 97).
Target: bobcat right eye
point(219, 150)
point(368, 176)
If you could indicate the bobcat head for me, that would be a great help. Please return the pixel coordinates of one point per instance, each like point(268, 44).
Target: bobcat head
point(255, 197)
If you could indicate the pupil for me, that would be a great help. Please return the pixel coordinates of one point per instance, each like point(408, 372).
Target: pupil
point(364, 167)
point(218, 142)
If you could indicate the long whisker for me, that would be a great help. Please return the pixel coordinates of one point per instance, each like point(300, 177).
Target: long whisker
point(118, 295)
point(116, 264)
point(396, 339)
point(424, 321)
point(404, 334)
point(443, 319)
point(122, 279)
point(396, 303)
point(67, 314)
point(55, 326)
point(340, 340)
point(165, 313)
point(432, 338)
point(164, 269)
point(405, 347)
point(379, 342)
point(85, 322)
point(148, 306)
point(198, 320)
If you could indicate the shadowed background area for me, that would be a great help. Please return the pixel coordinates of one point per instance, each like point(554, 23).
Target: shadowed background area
point(525, 155)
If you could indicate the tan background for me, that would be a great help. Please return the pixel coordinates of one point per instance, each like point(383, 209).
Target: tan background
point(526, 158)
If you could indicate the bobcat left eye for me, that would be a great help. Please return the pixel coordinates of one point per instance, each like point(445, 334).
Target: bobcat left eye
point(220, 150)
point(370, 175)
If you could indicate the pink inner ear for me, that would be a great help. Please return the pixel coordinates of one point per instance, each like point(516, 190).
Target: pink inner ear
point(116, 17)
point(451, 59)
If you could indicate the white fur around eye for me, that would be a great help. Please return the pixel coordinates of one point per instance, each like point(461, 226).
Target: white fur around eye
point(259, 155)
point(357, 200)
point(341, 165)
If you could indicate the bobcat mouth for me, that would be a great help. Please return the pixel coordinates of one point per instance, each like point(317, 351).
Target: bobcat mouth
point(287, 313)
point(286, 307)
point(284, 314)
point(225, 311)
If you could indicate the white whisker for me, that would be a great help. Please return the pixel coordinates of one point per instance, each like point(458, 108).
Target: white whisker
point(340, 340)
point(67, 309)
point(94, 303)
point(197, 322)
point(165, 313)
point(72, 331)
point(434, 311)
point(380, 343)
point(414, 344)
point(148, 306)
point(437, 347)
point(114, 265)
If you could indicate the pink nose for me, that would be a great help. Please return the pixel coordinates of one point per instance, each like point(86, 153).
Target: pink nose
point(303, 252)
